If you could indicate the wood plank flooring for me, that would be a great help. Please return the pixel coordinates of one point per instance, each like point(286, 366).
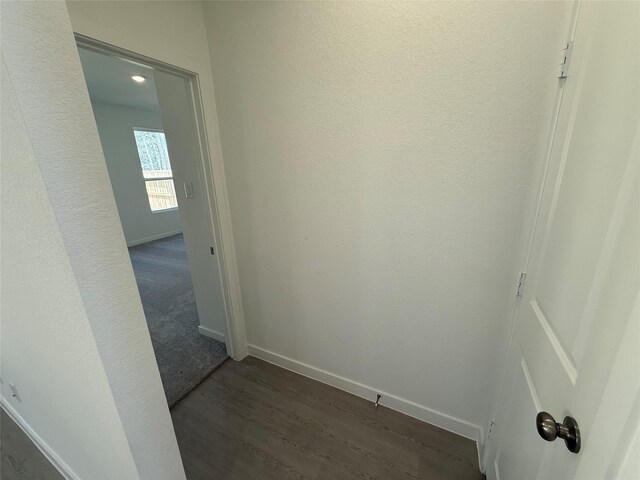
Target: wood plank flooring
point(252, 420)
point(21, 459)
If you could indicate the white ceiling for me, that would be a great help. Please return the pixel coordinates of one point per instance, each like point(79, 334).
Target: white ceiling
point(109, 81)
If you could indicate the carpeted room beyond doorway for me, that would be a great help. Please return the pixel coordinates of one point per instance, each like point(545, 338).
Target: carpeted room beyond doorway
point(184, 357)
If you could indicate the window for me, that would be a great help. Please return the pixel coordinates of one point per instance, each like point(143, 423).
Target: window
point(156, 169)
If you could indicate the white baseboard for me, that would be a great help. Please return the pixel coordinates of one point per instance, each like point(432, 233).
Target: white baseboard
point(140, 241)
point(207, 332)
point(492, 472)
point(426, 414)
point(64, 469)
point(480, 447)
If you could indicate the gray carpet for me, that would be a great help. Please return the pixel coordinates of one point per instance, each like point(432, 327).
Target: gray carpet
point(184, 357)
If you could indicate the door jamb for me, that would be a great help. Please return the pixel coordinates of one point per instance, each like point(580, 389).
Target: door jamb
point(236, 341)
point(533, 224)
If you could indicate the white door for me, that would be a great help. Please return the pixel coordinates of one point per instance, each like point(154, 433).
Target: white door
point(180, 130)
point(575, 350)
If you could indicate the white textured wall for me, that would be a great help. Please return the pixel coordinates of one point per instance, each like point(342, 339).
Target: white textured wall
point(48, 350)
point(81, 295)
point(115, 126)
point(377, 157)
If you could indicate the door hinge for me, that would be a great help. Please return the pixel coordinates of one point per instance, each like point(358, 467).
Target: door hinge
point(212, 251)
point(520, 287)
point(565, 59)
point(490, 431)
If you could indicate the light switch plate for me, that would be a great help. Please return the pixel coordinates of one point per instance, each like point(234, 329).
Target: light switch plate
point(188, 190)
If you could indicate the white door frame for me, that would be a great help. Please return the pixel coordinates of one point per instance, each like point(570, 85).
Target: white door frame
point(236, 340)
point(531, 223)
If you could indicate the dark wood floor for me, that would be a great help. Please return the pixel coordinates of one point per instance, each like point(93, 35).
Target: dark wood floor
point(253, 421)
point(21, 459)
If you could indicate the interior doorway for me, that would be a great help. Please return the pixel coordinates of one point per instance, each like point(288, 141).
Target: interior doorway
point(147, 127)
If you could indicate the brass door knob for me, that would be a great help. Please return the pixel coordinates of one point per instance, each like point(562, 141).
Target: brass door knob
point(549, 429)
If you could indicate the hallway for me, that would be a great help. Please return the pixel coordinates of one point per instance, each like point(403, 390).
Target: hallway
point(436, 233)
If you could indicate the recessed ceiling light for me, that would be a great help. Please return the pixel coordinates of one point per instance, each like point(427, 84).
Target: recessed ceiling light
point(138, 78)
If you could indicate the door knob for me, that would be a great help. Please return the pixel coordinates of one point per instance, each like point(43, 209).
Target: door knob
point(568, 430)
